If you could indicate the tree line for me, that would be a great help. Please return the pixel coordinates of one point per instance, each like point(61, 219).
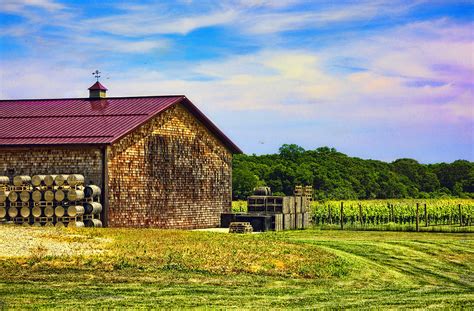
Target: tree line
point(335, 175)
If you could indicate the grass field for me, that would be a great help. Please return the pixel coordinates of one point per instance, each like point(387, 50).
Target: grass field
point(191, 269)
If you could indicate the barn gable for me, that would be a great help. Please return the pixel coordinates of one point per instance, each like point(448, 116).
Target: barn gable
point(179, 171)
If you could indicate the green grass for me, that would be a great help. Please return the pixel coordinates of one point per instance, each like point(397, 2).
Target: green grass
point(293, 269)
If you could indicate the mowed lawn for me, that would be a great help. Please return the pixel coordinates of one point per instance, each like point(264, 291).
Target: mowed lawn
point(114, 268)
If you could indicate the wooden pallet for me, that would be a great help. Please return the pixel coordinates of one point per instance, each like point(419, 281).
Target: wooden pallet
point(306, 220)
point(270, 204)
point(256, 204)
point(240, 227)
point(21, 188)
point(278, 222)
point(299, 221)
point(298, 191)
point(67, 219)
point(287, 222)
point(19, 204)
point(21, 220)
point(43, 219)
point(90, 216)
point(43, 203)
point(277, 204)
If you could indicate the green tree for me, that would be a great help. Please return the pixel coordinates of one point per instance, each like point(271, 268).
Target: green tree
point(336, 175)
point(291, 152)
point(243, 183)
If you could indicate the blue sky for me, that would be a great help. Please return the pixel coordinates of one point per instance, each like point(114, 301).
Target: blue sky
point(374, 79)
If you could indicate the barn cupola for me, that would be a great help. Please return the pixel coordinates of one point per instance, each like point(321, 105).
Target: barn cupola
point(97, 90)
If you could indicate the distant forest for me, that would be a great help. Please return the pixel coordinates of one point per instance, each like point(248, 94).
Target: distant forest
point(335, 175)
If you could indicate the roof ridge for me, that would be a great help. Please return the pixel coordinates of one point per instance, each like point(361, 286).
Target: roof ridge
point(62, 136)
point(90, 99)
point(79, 115)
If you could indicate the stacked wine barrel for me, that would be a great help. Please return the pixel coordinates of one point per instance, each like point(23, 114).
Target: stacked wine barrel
point(50, 200)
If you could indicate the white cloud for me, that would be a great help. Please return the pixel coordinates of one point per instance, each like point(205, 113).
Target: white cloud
point(250, 16)
point(149, 22)
point(122, 46)
point(17, 6)
point(275, 22)
point(268, 3)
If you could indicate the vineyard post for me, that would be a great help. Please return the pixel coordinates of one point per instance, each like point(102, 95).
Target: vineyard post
point(360, 214)
point(426, 217)
point(391, 212)
point(329, 214)
point(342, 215)
point(460, 215)
point(417, 217)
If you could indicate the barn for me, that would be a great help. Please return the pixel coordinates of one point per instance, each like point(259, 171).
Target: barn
point(159, 160)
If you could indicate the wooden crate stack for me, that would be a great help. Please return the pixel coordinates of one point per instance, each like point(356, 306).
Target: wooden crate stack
point(50, 200)
point(240, 227)
point(290, 212)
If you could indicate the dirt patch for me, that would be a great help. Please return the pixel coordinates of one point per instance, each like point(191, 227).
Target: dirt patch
point(16, 241)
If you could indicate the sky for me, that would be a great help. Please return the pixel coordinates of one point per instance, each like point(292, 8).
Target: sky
point(374, 79)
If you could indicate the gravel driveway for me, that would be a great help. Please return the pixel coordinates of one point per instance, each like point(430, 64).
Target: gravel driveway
point(17, 241)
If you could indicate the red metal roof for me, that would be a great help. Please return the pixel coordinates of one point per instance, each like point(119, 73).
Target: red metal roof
point(78, 121)
point(97, 86)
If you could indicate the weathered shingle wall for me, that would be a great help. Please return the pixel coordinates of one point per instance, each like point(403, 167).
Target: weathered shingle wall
point(171, 173)
point(51, 160)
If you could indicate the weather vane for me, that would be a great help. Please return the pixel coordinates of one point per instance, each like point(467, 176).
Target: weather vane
point(96, 74)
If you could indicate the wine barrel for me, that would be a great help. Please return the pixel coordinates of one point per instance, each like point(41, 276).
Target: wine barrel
point(3, 196)
point(25, 196)
point(37, 180)
point(75, 180)
point(93, 223)
point(25, 211)
point(49, 196)
point(262, 191)
point(77, 224)
point(59, 211)
point(36, 224)
point(49, 180)
point(21, 180)
point(12, 212)
point(92, 191)
point(75, 195)
point(3, 212)
point(37, 196)
point(49, 224)
point(92, 208)
point(4, 180)
point(75, 210)
point(36, 211)
point(59, 195)
point(49, 211)
point(60, 224)
point(13, 196)
point(60, 180)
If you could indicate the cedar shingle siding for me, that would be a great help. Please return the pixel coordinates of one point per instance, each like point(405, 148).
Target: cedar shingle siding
point(171, 173)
